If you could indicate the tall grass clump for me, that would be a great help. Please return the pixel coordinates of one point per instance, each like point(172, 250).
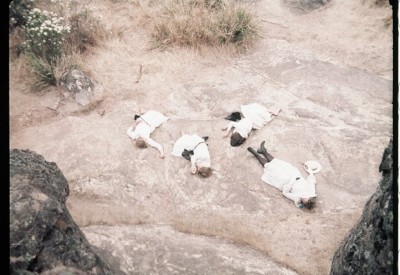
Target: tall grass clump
point(204, 22)
point(86, 31)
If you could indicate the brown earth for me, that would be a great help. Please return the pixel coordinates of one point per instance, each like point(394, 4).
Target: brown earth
point(329, 70)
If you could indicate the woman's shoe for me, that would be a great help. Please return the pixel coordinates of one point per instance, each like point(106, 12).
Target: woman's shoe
point(262, 149)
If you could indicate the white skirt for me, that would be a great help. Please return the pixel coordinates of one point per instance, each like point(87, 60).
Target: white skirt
point(278, 173)
point(187, 142)
point(154, 118)
point(258, 114)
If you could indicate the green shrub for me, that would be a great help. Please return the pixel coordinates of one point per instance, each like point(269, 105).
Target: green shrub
point(44, 71)
point(44, 34)
point(18, 11)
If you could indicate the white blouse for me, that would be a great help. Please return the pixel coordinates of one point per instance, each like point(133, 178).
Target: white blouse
point(255, 117)
point(201, 155)
point(148, 122)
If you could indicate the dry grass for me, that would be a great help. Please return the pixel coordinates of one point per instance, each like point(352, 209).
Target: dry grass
point(203, 22)
point(208, 26)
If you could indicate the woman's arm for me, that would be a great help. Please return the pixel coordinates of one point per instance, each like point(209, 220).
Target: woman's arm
point(154, 144)
point(286, 192)
point(193, 168)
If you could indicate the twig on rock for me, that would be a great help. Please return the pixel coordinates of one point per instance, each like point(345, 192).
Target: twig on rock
point(140, 74)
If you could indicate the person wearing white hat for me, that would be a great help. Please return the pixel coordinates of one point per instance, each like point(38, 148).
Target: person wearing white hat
point(146, 123)
point(287, 178)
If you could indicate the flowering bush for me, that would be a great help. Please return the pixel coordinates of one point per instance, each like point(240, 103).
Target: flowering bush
point(45, 32)
point(18, 11)
point(44, 35)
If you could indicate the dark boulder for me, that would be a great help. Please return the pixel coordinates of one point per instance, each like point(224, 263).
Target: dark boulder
point(368, 249)
point(43, 235)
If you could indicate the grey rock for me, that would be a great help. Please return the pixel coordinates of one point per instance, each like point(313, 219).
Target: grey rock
point(43, 235)
point(368, 249)
point(82, 88)
point(305, 5)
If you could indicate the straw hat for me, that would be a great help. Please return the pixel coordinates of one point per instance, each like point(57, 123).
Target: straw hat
point(312, 166)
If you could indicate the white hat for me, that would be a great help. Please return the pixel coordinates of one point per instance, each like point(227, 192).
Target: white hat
point(312, 166)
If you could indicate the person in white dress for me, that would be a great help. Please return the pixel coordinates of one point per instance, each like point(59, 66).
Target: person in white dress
point(255, 117)
point(287, 178)
point(145, 124)
point(194, 148)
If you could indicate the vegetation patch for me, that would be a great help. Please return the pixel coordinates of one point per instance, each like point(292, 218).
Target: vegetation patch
point(204, 22)
point(51, 35)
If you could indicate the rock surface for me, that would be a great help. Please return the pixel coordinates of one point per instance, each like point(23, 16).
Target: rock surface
point(43, 235)
point(368, 249)
point(330, 74)
point(171, 252)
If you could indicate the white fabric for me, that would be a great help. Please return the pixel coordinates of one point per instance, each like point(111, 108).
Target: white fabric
point(243, 127)
point(201, 155)
point(255, 117)
point(282, 175)
point(259, 115)
point(151, 120)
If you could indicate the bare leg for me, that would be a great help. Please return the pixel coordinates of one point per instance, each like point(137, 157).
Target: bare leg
point(262, 160)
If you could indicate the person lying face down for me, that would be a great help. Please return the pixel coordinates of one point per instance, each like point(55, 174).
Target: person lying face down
point(146, 123)
point(286, 178)
point(255, 116)
point(194, 148)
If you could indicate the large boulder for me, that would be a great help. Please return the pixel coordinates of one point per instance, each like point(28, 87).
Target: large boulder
point(368, 249)
point(43, 235)
point(78, 86)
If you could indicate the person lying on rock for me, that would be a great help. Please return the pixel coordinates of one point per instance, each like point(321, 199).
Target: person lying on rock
point(287, 178)
point(194, 148)
point(145, 124)
point(255, 117)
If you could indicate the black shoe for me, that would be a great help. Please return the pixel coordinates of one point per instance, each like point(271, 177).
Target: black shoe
point(262, 149)
point(205, 138)
point(186, 154)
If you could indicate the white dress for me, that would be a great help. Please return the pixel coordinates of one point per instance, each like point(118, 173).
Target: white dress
point(255, 117)
point(148, 122)
point(201, 155)
point(287, 178)
point(259, 115)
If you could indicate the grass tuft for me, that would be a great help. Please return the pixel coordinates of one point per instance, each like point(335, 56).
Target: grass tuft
point(204, 22)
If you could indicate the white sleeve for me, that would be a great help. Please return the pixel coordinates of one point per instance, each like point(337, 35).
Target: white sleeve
point(131, 133)
point(286, 192)
point(311, 179)
point(154, 144)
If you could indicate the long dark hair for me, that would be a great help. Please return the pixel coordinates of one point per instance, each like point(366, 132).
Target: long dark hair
point(237, 139)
